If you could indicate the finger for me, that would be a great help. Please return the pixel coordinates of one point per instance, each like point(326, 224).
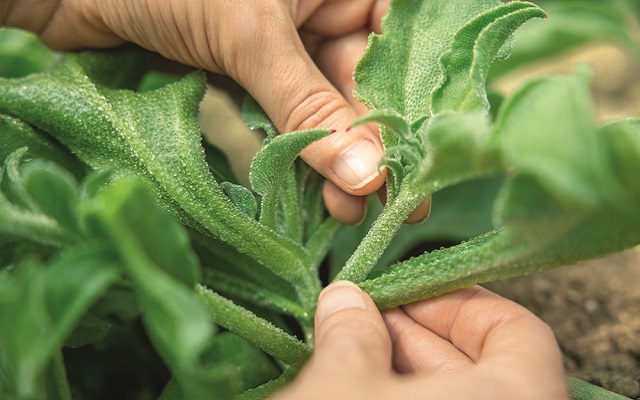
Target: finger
point(337, 18)
point(337, 59)
point(417, 349)
point(481, 324)
point(417, 216)
point(379, 10)
point(352, 347)
point(343, 207)
point(297, 96)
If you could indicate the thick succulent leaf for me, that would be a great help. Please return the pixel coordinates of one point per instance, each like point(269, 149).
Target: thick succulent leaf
point(262, 333)
point(15, 134)
point(153, 135)
point(401, 68)
point(39, 308)
point(571, 24)
point(272, 164)
point(473, 50)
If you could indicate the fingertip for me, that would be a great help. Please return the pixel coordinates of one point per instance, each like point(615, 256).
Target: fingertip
point(349, 328)
point(420, 214)
point(343, 207)
point(339, 296)
point(355, 167)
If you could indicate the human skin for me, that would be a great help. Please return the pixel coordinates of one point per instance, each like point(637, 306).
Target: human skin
point(468, 344)
point(295, 57)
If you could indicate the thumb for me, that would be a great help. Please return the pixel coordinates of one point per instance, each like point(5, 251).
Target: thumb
point(351, 337)
point(352, 348)
point(297, 96)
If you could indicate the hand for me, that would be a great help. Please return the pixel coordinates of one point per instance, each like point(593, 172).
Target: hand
point(463, 345)
point(288, 54)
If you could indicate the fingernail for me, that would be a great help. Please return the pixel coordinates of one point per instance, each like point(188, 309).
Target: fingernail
point(339, 296)
point(358, 165)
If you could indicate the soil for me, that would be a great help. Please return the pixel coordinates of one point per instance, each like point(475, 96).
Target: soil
point(594, 310)
point(594, 307)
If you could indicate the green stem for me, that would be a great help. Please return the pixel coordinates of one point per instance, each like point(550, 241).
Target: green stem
point(57, 385)
point(266, 336)
point(383, 230)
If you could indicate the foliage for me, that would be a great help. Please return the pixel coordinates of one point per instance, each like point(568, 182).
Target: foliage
point(115, 217)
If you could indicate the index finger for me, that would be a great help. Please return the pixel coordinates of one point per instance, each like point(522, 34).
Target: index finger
point(487, 327)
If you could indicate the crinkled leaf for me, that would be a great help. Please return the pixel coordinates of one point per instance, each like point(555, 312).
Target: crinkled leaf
point(39, 308)
point(271, 165)
point(15, 134)
point(401, 68)
point(153, 135)
point(456, 150)
point(473, 50)
point(568, 197)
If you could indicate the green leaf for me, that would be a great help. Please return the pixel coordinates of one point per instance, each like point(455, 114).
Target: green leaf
point(401, 68)
point(561, 149)
point(261, 333)
point(156, 257)
point(473, 50)
point(39, 308)
point(272, 163)
point(153, 135)
point(568, 197)
point(128, 206)
point(54, 191)
point(20, 216)
point(15, 134)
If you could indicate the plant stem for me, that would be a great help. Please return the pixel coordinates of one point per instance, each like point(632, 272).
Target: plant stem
point(383, 230)
point(266, 336)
